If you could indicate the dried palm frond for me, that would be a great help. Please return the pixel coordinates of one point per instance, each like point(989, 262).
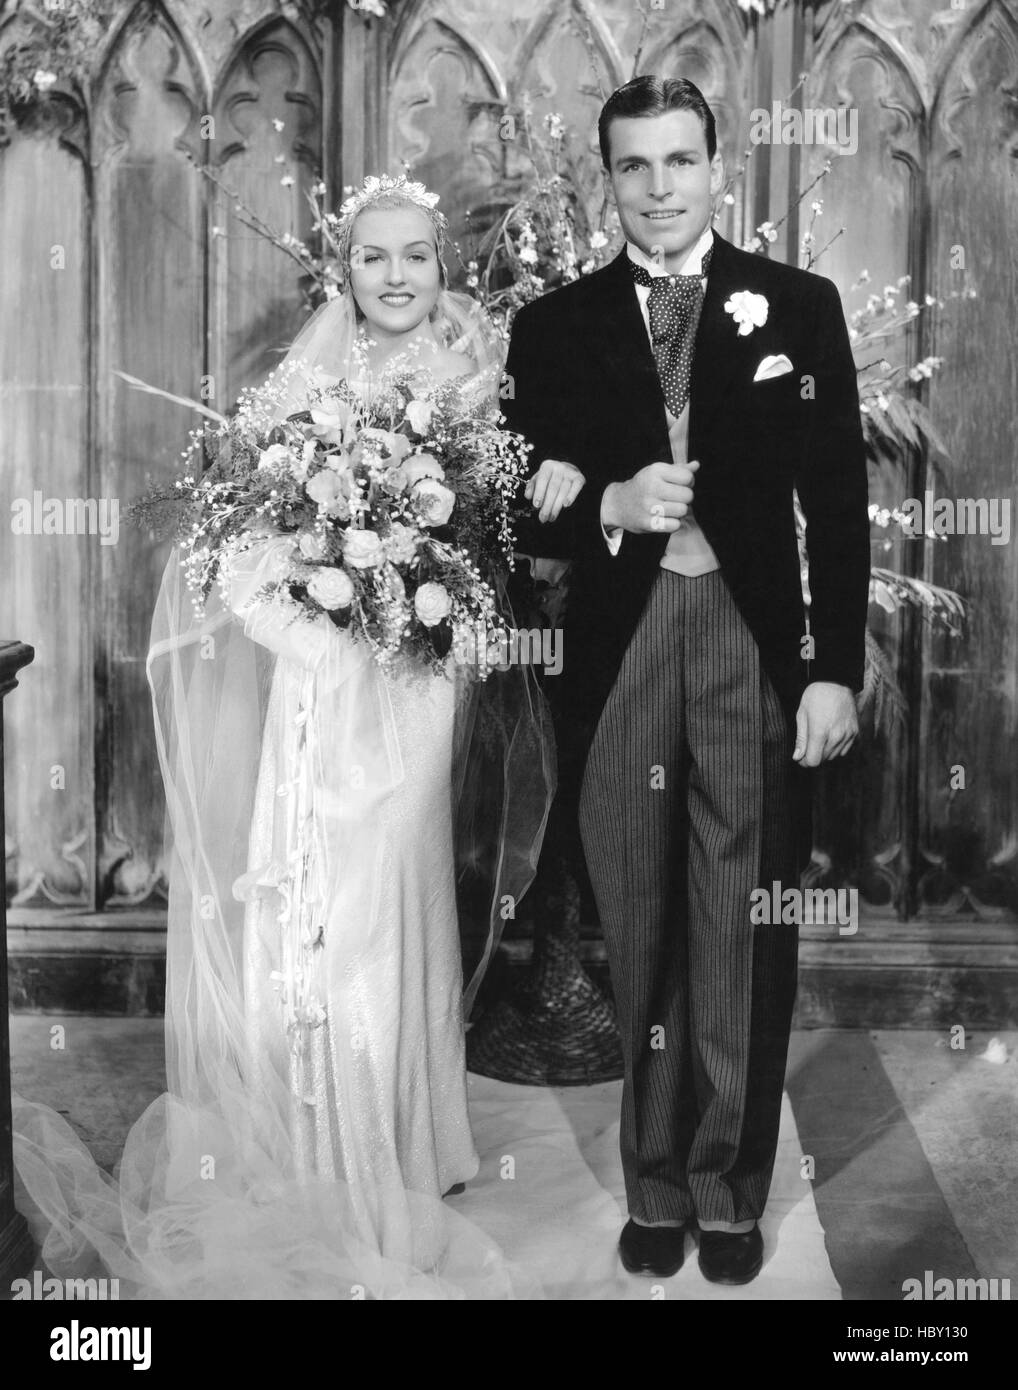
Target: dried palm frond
point(881, 702)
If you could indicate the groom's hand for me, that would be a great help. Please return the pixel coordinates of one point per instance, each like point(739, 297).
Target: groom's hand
point(655, 499)
point(826, 723)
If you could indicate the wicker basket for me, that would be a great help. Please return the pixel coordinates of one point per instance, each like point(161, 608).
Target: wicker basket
point(555, 1027)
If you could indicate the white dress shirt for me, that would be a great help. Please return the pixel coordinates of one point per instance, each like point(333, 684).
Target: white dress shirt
point(688, 551)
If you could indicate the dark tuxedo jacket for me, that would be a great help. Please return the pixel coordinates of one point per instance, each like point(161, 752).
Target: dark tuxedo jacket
point(582, 385)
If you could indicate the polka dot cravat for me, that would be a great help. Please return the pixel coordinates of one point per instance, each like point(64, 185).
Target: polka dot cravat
point(674, 308)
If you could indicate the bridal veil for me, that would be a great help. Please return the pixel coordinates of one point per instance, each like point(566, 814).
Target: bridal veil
point(208, 1201)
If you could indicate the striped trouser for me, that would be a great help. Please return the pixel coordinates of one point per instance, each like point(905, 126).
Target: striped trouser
point(685, 810)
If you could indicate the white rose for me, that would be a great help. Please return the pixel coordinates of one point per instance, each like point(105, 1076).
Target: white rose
point(331, 588)
point(401, 543)
point(394, 480)
point(329, 419)
point(363, 549)
point(312, 547)
point(434, 502)
point(422, 466)
point(419, 414)
point(432, 603)
point(749, 310)
point(397, 446)
point(326, 488)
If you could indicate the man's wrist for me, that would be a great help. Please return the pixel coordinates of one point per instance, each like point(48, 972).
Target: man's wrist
point(609, 516)
point(837, 673)
point(610, 528)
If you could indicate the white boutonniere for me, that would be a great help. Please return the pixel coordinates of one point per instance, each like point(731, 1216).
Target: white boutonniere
point(749, 310)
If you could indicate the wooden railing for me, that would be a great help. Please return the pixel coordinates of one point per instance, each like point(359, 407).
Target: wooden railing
point(15, 1243)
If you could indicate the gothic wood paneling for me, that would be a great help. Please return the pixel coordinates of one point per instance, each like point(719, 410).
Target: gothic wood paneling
point(875, 194)
point(272, 80)
point(149, 321)
point(151, 286)
point(969, 836)
point(44, 232)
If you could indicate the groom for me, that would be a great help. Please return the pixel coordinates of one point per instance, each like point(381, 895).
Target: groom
point(695, 385)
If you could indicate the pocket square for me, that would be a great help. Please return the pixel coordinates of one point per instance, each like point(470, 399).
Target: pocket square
point(771, 367)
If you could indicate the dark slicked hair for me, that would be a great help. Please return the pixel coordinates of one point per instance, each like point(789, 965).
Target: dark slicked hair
point(654, 96)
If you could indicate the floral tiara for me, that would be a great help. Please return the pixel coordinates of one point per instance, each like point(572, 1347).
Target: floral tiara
point(375, 187)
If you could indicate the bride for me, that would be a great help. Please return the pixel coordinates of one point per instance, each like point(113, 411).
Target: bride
point(316, 1112)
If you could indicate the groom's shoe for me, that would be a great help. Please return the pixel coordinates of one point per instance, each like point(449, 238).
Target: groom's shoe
point(655, 1250)
point(729, 1257)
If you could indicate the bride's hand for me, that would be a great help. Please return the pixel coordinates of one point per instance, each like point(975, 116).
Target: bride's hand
point(555, 485)
point(273, 622)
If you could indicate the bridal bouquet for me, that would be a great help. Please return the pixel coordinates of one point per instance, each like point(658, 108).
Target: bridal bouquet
point(399, 504)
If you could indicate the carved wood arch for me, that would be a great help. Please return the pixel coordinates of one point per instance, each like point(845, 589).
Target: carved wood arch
point(272, 74)
point(969, 838)
point(149, 211)
point(447, 98)
point(957, 86)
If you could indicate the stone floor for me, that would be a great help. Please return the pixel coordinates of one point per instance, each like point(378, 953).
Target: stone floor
point(913, 1143)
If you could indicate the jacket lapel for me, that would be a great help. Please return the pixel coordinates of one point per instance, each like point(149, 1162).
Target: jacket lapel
point(621, 336)
point(719, 350)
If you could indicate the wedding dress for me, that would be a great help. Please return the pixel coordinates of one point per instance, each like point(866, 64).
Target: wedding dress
point(378, 1089)
point(316, 1105)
